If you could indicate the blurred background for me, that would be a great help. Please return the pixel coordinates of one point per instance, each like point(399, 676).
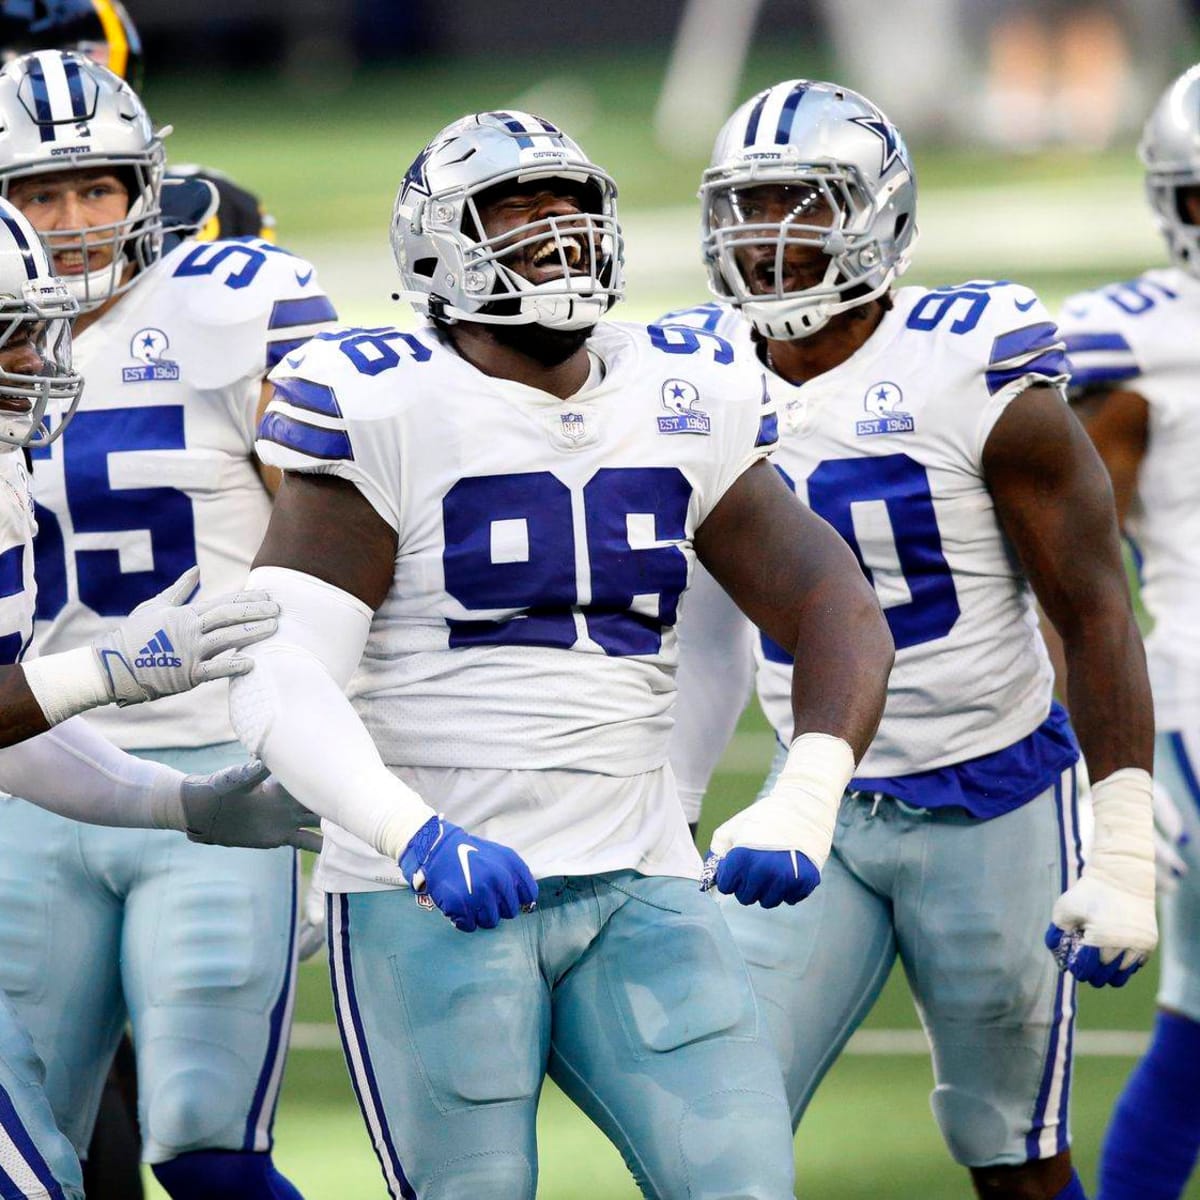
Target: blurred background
point(1022, 117)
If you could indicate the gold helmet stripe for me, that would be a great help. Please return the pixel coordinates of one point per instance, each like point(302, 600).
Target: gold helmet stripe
point(114, 34)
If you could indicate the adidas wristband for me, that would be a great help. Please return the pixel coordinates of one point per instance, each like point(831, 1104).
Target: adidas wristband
point(67, 683)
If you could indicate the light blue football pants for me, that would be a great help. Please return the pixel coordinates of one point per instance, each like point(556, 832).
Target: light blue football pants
point(36, 1160)
point(193, 945)
point(1177, 768)
point(627, 990)
point(965, 904)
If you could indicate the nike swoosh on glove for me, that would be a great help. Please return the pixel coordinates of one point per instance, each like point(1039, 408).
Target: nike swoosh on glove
point(772, 852)
point(1103, 927)
point(476, 883)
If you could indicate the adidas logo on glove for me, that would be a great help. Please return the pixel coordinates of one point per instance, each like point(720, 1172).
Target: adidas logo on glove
point(158, 652)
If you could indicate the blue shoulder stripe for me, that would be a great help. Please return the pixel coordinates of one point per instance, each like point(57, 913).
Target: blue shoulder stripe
point(12, 574)
point(1052, 366)
point(1096, 341)
point(1008, 346)
point(303, 393)
point(305, 311)
point(1085, 375)
point(314, 440)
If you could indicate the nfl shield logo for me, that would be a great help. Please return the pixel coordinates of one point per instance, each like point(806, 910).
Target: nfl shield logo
point(572, 426)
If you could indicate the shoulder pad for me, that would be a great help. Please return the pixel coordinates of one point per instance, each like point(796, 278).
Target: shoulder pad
point(1000, 327)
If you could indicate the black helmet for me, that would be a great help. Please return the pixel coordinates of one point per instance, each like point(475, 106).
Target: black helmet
point(100, 29)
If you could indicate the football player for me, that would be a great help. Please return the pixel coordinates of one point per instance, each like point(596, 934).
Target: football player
point(928, 426)
point(1134, 375)
point(197, 201)
point(484, 529)
point(73, 770)
point(155, 474)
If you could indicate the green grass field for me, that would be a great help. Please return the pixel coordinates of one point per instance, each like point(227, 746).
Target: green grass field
point(328, 160)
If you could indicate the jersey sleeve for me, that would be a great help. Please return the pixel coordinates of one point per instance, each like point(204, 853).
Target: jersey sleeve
point(1021, 348)
point(1101, 350)
point(251, 303)
point(326, 418)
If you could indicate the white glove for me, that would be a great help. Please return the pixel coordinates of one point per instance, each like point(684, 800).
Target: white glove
point(1103, 927)
point(165, 646)
point(243, 806)
point(1169, 838)
point(773, 851)
point(310, 937)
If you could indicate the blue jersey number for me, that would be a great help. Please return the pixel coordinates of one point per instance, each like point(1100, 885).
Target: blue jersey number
point(903, 485)
point(163, 514)
point(510, 543)
point(1138, 295)
point(12, 583)
point(965, 303)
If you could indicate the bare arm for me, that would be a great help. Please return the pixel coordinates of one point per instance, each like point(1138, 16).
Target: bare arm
point(271, 477)
point(1118, 423)
point(22, 715)
point(795, 578)
point(325, 527)
point(1055, 504)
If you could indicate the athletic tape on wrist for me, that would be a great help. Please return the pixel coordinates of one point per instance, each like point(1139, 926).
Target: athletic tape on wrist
point(67, 683)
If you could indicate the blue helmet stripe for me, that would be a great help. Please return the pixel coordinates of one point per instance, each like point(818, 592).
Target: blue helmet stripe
point(75, 87)
point(511, 122)
point(755, 114)
point(31, 265)
point(41, 100)
point(787, 115)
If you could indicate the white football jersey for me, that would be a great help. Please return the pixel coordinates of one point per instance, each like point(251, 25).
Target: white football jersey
point(17, 529)
point(156, 471)
point(1141, 336)
point(543, 543)
point(887, 447)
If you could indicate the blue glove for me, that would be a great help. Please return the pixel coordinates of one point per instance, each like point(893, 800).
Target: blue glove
point(474, 882)
point(766, 877)
point(1085, 962)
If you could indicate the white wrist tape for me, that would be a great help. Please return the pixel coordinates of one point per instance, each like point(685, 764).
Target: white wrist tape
point(800, 811)
point(292, 712)
point(1122, 851)
point(67, 683)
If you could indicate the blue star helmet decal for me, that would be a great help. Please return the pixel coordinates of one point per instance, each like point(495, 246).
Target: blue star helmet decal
point(893, 148)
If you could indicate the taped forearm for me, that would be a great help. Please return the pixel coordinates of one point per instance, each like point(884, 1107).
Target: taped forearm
point(292, 712)
point(67, 684)
point(1122, 849)
point(75, 772)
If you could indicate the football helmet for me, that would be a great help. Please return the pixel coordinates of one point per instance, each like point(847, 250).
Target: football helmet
point(35, 304)
point(1170, 152)
point(99, 29)
point(452, 270)
point(62, 112)
point(840, 183)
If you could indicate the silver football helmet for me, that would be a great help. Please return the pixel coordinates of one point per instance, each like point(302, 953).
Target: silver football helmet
point(35, 314)
point(808, 207)
point(1170, 152)
point(60, 111)
point(453, 271)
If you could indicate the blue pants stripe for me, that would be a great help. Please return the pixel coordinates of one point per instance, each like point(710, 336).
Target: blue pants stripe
point(1058, 1052)
point(261, 1119)
point(1185, 764)
point(13, 1131)
point(354, 1043)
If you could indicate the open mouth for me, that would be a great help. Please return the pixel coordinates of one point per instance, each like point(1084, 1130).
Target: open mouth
point(549, 259)
point(76, 262)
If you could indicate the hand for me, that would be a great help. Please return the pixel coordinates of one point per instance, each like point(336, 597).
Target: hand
point(243, 806)
point(772, 852)
point(474, 882)
point(1169, 838)
point(1103, 927)
point(164, 646)
point(766, 877)
point(310, 937)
